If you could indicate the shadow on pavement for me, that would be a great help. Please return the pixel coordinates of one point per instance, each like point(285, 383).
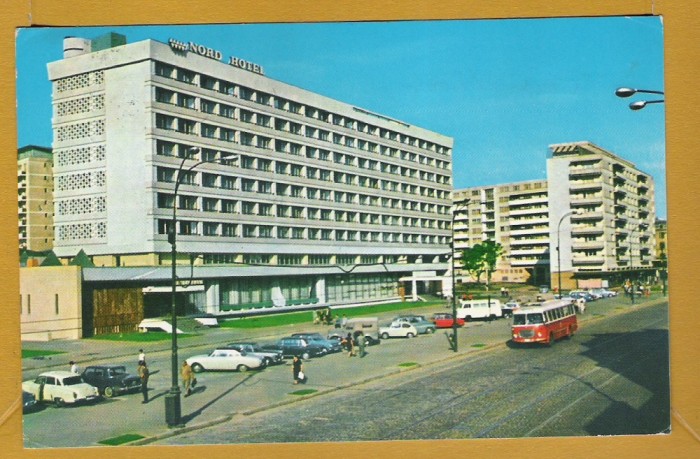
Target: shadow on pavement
point(194, 414)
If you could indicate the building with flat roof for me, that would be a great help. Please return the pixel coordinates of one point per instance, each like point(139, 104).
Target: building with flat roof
point(271, 176)
point(516, 216)
point(35, 198)
point(601, 209)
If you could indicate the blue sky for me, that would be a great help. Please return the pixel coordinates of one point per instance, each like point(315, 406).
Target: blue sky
point(503, 89)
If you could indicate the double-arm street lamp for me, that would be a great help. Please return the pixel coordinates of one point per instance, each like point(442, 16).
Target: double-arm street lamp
point(639, 104)
point(173, 414)
point(567, 214)
point(456, 206)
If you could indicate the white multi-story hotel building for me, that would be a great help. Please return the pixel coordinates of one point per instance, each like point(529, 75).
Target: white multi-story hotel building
point(317, 185)
point(604, 209)
point(516, 216)
point(35, 198)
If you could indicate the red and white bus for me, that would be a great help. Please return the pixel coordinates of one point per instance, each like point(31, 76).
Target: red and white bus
point(545, 322)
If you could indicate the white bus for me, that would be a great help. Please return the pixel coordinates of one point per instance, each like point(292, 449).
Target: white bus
point(479, 309)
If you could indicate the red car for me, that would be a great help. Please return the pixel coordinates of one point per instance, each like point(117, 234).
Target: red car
point(444, 320)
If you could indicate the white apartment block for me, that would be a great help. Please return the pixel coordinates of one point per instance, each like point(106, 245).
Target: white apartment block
point(606, 209)
point(35, 198)
point(316, 182)
point(516, 216)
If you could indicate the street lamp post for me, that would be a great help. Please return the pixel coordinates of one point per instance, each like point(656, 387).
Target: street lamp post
point(458, 205)
point(173, 413)
point(640, 104)
point(559, 250)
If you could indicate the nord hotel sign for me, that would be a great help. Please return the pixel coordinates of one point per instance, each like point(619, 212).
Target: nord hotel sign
point(214, 54)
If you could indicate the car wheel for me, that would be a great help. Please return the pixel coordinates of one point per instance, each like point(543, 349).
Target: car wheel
point(385, 335)
point(109, 392)
point(430, 330)
point(58, 402)
point(267, 361)
point(409, 335)
point(242, 368)
point(305, 356)
point(197, 367)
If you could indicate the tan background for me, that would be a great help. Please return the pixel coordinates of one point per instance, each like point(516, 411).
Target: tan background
point(682, 47)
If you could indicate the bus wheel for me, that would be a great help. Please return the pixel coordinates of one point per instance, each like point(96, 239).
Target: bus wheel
point(569, 333)
point(550, 341)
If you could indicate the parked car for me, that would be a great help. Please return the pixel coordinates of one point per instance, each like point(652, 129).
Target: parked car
point(507, 308)
point(225, 359)
point(61, 388)
point(603, 292)
point(369, 326)
point(330, 345)
point(576, 294)
point(398, 330)
point(422, 325)
point(444, 320)
point(292, 346)
point(111, 380)
point(29, 403)
point(269, 356)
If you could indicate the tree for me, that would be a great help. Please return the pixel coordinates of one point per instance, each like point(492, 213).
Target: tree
point(481, 258)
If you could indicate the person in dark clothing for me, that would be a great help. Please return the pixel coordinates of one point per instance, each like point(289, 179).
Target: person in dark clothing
point(296, 368)
point(144, 374)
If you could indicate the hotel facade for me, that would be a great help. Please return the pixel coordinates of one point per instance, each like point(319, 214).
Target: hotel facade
point(285, 197)
point(35, 198)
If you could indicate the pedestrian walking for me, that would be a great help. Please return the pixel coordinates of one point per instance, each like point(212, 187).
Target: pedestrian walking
point(74, 368)
point(142, 356)
point(360, 338)
point(350, 345)
point(144, 374)
point(187, 377)
point(343, 321)
point(297, 372)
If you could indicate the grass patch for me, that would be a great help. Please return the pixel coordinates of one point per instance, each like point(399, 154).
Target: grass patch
point(32, 353)
point(408, 364)
point(478, 345)
point(120, 440)
point(276, 320)
point(303, 392)
point(141, 337)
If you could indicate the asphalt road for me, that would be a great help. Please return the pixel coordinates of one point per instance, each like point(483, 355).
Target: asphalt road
point(610, 379)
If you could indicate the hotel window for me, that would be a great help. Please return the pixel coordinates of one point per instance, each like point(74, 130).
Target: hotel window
point(296, 170)
point(246, 93)
point(326, 214)
point(283, 211)
point(295, 107)
point(208, 131)
point(188, 202)
point(186, 126)
point(227, 88)
point(165, 175)
point(247, 139)
point(319, 259)
point(283, 232)
point(297, 212)
point(325, 175)
point(228, 183)
point(188, 228)
point(247, 116)
point(295, 148)
point(210, 204)
point(326, 234)
point(165, 148)
point(313, 213)
point(312, 193)
point(210, 229)
point(208, 82)
point(164, 96)
point(228, 206)
point(165, 122)
point(263, 99)
point(227, 111)
point(248, 185)
point(263, 120)
point(227, 135)
point(264, 165)
point(186, 76)
point(228, 230)
point(164, 226)
point(314, 234)
point(325, 195)
point(281, 146)
point(164, 70)
point(207, 106)
point(249, 230)
point(295, 128)
point(264, 187)
point(297, 233)
point(297, 191)
point(165, 201)
point(280, 103)
point(184, 100)
point(265, 210)
point(290, 259)
point(265, 231)
point(323, 135)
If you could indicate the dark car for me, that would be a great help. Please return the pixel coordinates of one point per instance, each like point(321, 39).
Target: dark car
point(29, 403)
point(111, 380)
point(292, 346)
point(330, 345)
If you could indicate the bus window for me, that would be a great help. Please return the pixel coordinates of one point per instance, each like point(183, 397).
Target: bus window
point(535, 318)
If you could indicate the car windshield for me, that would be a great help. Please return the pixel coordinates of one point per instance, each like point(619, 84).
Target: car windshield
point(529, 319)
point(72, 380)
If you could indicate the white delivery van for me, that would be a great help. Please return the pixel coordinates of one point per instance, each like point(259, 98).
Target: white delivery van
point(369, 326)
point(479, 309)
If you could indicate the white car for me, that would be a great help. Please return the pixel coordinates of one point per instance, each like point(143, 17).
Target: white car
point(61, 388)
point(225, 359)
point(398, 330)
